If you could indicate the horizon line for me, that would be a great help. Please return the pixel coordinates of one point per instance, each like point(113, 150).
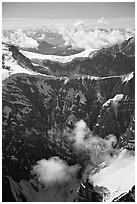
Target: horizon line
point(31, 18)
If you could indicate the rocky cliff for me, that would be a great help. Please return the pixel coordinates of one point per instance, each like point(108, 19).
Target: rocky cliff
point(36, 109)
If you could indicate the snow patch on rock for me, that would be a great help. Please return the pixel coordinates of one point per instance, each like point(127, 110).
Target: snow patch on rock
point(114, 102)
point(128, 77)
point(12, 65)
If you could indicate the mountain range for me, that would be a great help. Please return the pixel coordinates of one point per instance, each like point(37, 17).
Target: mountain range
point(44, 97)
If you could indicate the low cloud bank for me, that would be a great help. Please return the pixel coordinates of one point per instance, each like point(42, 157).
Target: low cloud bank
point(81, 36)
point(78, 35)
point(93, 39)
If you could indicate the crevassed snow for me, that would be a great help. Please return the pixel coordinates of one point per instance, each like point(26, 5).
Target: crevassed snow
point(17, 69)
point(14, 69)
point(62, 59)
point(118, 178)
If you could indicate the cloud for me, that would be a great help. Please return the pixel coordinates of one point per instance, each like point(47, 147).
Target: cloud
point(84, 137)
point(102, 21)
point(79, 24)
point(78, 35)
point(80, 132)
point(54, 171)
point(99, 149)
point(82, 37)
point(108, 166)
point(19, 38)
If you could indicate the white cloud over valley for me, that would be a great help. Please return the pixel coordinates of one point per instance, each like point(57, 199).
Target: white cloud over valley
point(54, 171)
point(92, 39)
point(19, 38)
point(78, 35)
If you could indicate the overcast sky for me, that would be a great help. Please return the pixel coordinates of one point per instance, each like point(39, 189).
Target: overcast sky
point(68, 10)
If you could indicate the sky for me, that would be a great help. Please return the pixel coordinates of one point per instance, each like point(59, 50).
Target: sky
point(68, 10)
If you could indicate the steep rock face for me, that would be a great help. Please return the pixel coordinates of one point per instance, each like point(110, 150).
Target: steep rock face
point(22, 60)
point(127, 47)
point(86, 193)
point(127, 139)
point(34, 107)
point(33, 191)
point(102, 63)
point(110, 122)
point(77, 96)
point(115, 115)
